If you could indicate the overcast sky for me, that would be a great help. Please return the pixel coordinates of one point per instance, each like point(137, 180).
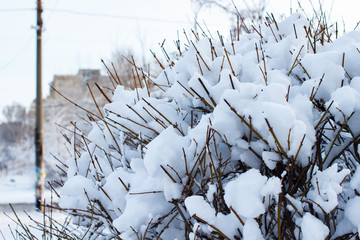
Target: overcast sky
point(78, 33)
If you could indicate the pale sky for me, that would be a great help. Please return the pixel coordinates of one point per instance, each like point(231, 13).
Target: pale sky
point(78, 33)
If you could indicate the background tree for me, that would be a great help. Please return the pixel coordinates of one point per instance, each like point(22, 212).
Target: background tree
point(16, 139)
point(248, 12)
point(16, 127)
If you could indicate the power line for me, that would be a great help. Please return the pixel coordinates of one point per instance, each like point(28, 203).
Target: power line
point(51, 15)
point(96, 15)
point(19, 53)
point(115, 16)
point(17, 10)
point(76, 41)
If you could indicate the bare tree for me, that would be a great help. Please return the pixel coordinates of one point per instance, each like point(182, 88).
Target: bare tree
point(247, 12)
point(14, 112)
point(15, 138)
point(16, 128)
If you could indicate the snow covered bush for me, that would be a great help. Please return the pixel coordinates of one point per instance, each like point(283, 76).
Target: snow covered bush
point(254, 138)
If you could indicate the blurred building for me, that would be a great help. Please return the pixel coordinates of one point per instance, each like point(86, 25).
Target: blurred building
point(66, 83)
point(62, 116)
point(61, 119)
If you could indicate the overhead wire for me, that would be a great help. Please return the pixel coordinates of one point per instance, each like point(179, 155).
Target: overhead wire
point(26, 45)
point(94, 14)
point(17, 9)
point(19, 52)
point(78, 13)
point(114, 16)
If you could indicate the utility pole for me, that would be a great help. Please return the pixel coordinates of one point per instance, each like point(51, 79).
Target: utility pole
point(39, 157)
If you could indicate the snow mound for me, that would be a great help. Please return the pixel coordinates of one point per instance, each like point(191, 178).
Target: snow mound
point(246, 134)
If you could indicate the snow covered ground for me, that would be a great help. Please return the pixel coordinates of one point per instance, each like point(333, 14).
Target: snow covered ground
point(18, 190)
point(7, 225)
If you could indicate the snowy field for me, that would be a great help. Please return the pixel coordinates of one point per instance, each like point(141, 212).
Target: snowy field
point(18, 190)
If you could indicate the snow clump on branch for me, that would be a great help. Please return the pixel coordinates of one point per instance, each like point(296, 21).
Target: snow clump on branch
point(255, 138)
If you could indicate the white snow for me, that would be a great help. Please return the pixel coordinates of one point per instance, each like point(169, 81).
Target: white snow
point(355, 180)
point(312, 228)
point(244, 194)
point(327, 187)
point(252, 230)
point(20, 189)
point(352, 213)
point(225, 106)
